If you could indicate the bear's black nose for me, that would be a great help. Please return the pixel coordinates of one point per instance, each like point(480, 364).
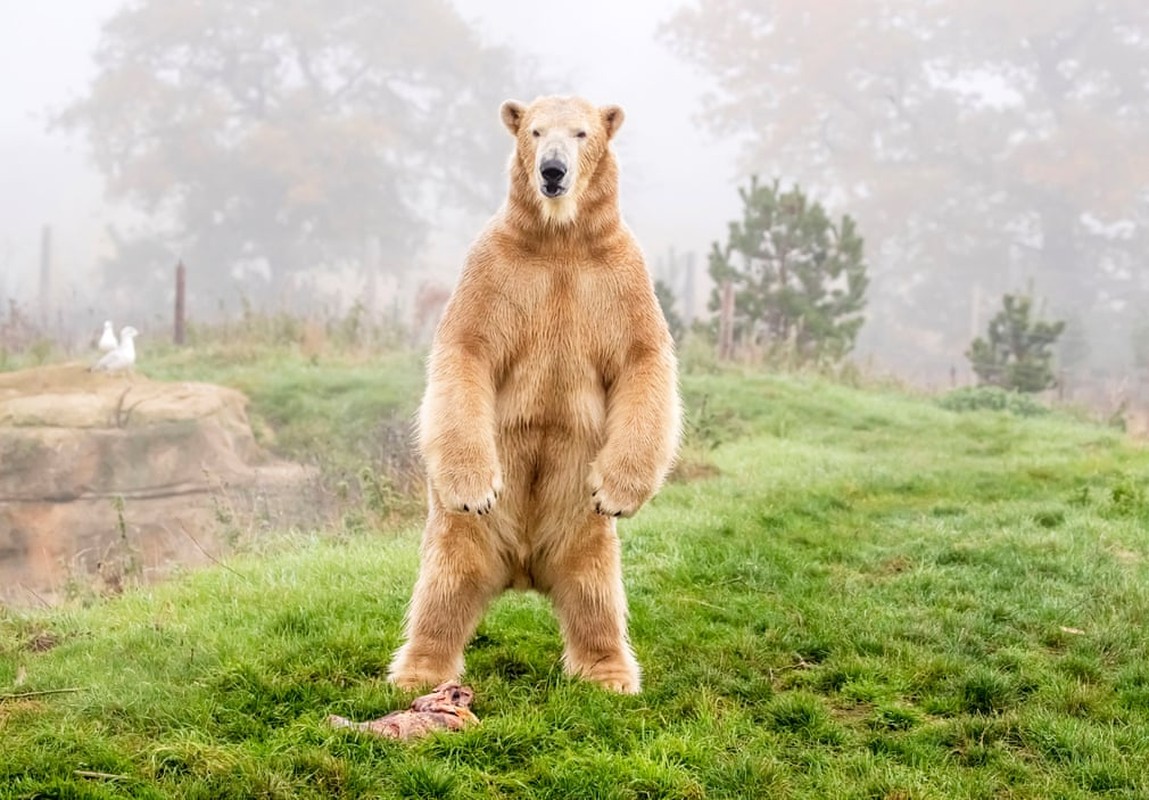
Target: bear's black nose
point(552, 170)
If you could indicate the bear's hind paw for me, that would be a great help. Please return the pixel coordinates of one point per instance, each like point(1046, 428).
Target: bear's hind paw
point(416, 679)
point(409, 672)
point(617, 674)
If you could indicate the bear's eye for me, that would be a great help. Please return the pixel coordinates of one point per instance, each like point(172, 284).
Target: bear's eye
point(535, 133)
point(581, 134)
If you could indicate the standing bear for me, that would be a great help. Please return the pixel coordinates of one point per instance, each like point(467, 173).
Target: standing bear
point(551, 407)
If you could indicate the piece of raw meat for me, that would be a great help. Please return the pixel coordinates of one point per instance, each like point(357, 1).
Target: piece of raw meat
point(447, 708)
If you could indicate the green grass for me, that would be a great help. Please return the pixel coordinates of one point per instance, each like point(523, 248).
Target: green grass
point(876, 598)
point(328, 411)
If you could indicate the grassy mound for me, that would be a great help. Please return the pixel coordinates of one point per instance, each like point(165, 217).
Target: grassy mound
point(873, 597)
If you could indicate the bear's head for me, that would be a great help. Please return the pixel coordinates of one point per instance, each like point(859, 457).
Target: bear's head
point(561, 143)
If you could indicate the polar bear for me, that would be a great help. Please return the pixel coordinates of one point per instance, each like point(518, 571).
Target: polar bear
point(551, 407)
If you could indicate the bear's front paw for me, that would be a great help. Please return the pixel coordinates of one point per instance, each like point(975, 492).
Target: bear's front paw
point(613, 497)
point(470, 491)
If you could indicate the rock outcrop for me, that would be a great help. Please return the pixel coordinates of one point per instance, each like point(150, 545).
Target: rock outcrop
point(111, 477)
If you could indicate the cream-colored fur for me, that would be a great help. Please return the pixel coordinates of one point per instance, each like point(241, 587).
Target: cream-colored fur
point(551, 409)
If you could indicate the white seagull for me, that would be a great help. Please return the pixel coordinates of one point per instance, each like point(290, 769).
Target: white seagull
point(108, 341)
point(123, 357)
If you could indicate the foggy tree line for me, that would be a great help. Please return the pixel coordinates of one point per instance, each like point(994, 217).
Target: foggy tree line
point(979, 145)
point(260, 141)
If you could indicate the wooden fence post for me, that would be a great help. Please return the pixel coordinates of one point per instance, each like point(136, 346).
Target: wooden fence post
point(181, 304)
point(45, 275)
point(688, 291)
point(726, 323)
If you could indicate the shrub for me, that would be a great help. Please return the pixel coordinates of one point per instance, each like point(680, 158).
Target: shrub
point(992, 398)
point(1017, 352)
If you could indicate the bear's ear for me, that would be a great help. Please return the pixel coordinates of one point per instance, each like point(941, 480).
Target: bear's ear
point(612, 117)
point(512, 113)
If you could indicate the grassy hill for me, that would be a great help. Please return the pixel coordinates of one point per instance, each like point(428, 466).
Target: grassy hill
point(874, 597)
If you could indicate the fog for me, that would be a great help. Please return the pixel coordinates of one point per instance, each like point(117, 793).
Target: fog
point(981, 150)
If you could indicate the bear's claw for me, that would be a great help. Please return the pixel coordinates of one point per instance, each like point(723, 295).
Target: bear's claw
point(610, 506)
point(471, 499)
point(603, 509)
point(613, 497)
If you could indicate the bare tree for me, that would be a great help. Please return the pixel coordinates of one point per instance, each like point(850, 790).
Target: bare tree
point(262, 140)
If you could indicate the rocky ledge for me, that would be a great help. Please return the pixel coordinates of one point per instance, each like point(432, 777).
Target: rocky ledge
point(107, 477)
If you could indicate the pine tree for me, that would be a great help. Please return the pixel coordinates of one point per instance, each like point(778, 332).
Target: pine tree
point(798, 279)
point(1018, 351)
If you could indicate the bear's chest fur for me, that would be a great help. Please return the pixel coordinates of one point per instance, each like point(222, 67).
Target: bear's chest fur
point(553, 379)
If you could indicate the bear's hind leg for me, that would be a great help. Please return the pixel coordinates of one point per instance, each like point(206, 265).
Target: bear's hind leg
point(460, 572)
point(585, 585)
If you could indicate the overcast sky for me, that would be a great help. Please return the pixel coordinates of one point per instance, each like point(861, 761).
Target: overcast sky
point(45, 60)
point(678, 183)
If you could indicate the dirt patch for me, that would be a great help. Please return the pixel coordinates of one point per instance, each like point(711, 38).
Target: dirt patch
point(895, 566)
point(41, 641)
point(1127, 557)
point(17, 708)
point(686, 471)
